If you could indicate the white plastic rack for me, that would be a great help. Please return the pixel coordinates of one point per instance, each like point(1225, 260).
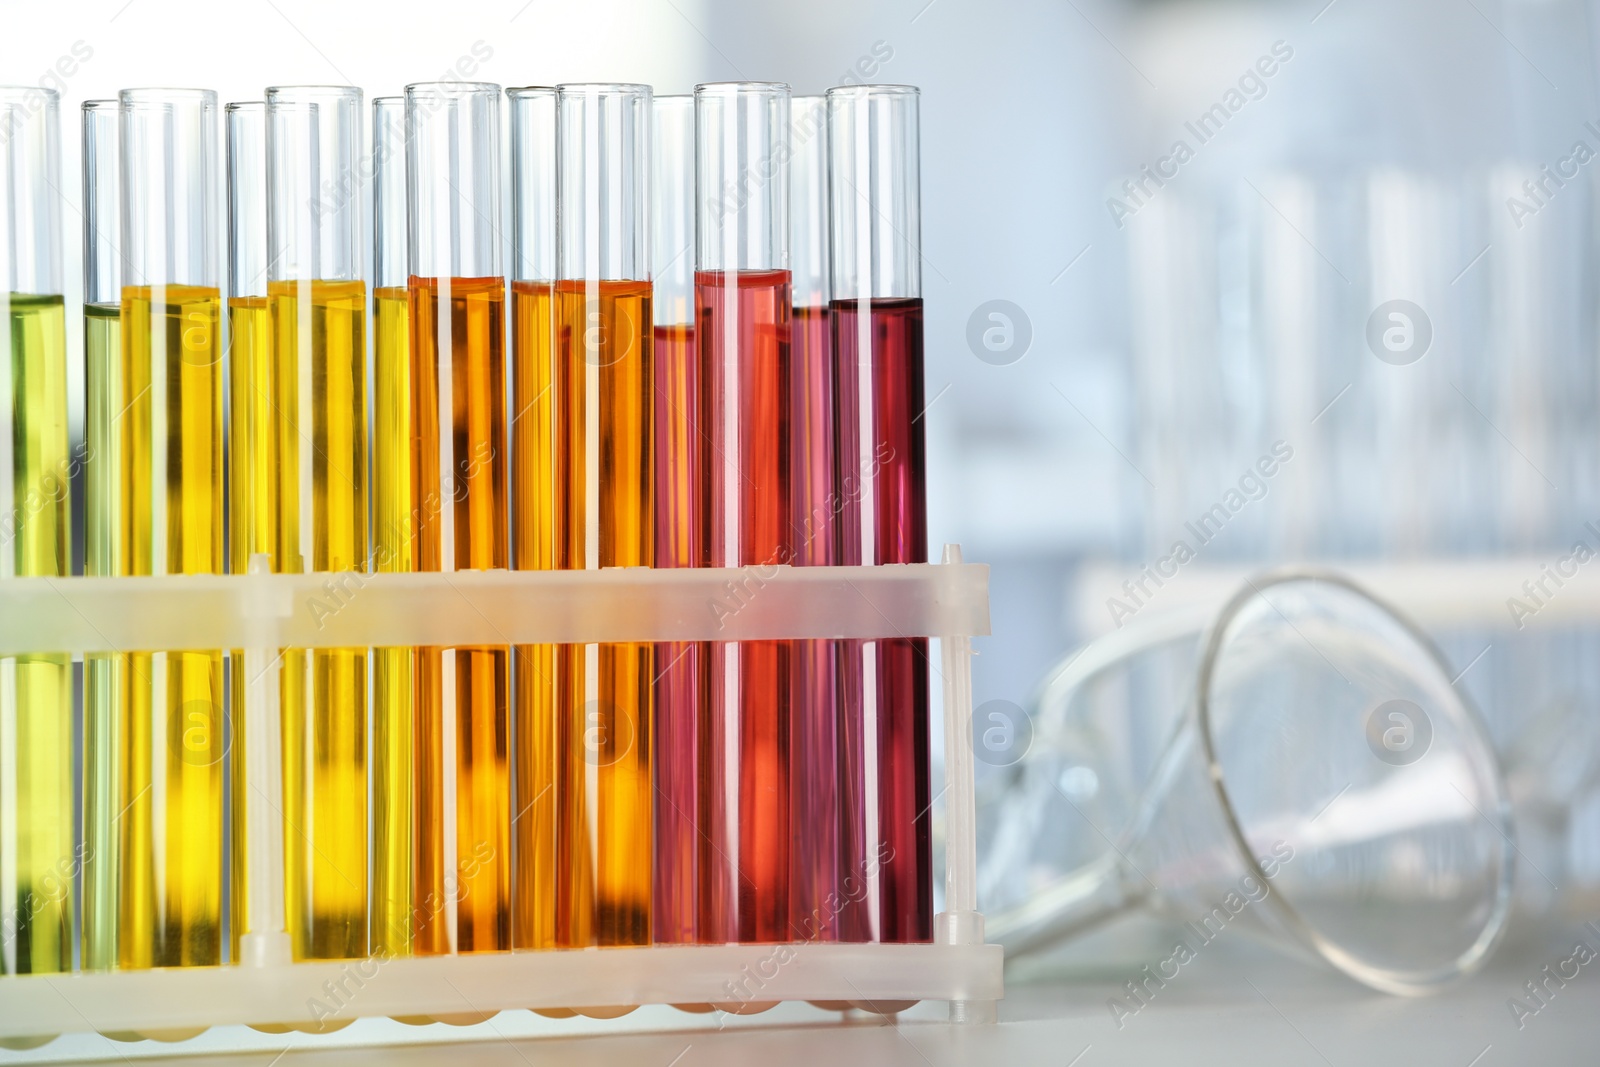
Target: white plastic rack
point(262, 613)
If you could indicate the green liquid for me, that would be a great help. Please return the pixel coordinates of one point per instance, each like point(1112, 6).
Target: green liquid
point(102, 674)
point(37, 862)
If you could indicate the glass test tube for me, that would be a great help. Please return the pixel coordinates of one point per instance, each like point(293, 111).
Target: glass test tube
point(537, 524)
point(876, 267)
point(393, 532)
point(103, 401)
point(317, 305)
point(253, 487)
point(603, 327)
point(172, 735)
point(691, 899)
point(829, 820)
point(458, 399)
point(742, 305)
point(38, 865)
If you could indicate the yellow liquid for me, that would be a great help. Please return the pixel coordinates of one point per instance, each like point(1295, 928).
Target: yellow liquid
point(319, 347)
point(252, 496)
point(171, 737)
point(464, 484)
point(37, 862)
point(605, 387)
point(393, 543)
point(102, 674)
point(536, 533)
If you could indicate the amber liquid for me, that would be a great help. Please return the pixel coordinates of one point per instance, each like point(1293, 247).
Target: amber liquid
point(458, 391)
point(538, 522)
point(393, 552)
point(605, 386)
point(319, 420)
point(252, 504)
point(172, 736)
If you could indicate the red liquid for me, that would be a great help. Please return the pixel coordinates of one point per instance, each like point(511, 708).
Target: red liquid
point(691, 871)
point(818, 906)
point(743, 334)
point(883, 478)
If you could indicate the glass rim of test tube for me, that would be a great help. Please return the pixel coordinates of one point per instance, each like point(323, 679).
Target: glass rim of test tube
point(247, 259)
point(452, 88)
point(623, 170)
point(38, 268)
point(808, 201)
point(388, 178)
point(888, 262)
point(314, 231)
point(200, 261)
point(672, 180)
point(471, 239)
point(533, 176)
point(605, 88)
point(748, 227)
point(102, 273)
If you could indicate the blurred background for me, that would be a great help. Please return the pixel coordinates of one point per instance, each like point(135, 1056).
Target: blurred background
point(1163, 242)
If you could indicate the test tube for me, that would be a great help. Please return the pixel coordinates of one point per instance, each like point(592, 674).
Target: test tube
point(103, 401)
point(458, 399)
point(38, 865)
point(742, 308)
point(172, 735)
point(603, 329)
point(536, 527)
point(822, 907)
point(317, 305)
point(253, 487)
point(393, 532)
point(876, 270)
point(691, 874)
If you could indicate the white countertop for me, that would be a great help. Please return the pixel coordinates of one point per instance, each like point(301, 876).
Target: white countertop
point(1238, 1005)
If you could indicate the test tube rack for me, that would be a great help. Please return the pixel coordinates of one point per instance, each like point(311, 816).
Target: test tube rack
point(262, 612)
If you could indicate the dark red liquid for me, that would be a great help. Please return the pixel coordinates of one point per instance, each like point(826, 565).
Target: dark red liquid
point(743, 334)
point(882, 473)
point(818, 900)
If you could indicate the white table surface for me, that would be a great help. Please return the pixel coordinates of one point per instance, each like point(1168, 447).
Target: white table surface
point(1238, 1004)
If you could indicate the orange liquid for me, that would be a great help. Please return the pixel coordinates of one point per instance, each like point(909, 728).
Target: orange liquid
point(536, 472)
point(605, 389)
point(461, 513)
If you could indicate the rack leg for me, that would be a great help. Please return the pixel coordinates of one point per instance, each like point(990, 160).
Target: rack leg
point(960, 923)
point(267, 943)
